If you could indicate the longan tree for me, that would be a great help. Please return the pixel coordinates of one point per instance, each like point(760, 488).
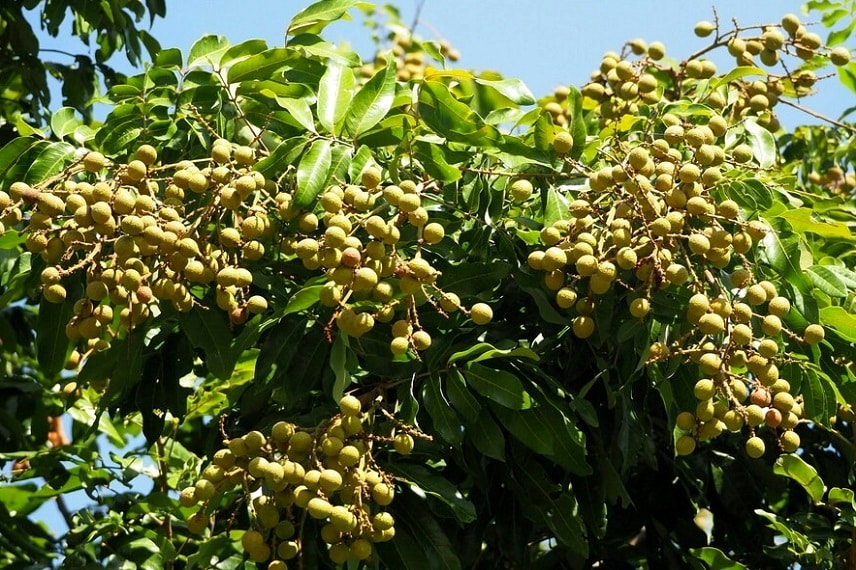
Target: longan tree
point(391, 313)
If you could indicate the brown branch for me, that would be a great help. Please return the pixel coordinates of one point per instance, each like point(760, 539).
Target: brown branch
point(817, 115)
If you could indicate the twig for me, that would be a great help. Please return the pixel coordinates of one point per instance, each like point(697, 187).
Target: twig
point(817, 115)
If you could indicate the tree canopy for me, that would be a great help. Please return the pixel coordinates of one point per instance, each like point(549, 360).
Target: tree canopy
point(386, 312)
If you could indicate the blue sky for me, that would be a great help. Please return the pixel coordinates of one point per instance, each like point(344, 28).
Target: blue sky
point(552, 42)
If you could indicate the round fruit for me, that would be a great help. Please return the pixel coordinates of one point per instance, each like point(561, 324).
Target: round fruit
point(563, 142)
point(755, 447)
point(813, 334)
point(521, 190)
point(640, 307)
point(790, 441)
point(403, 443)
point(481, 313)
point(685, 445)
point(583, 326)
point(350, 405)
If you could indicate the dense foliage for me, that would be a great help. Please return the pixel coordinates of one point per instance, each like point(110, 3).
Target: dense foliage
point(399, 314)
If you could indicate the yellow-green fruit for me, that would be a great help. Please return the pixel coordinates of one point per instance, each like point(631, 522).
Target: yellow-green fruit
point(790, 441)
point(301, 441)
point(839, 56)
point(399, 345)
point(704, 389)
point(383, 494)
point(371, 177)
point(583, 326)
point(244, 155)
point(257, 304)
point(521, 190)
point(481, 313)
point(711, 323)
point(147, 154)
point(94, 161)
point(286, 550)
point(421, 340)
point(563, 142)
point(55, 293)
point(685, 421)
point(319, 508)
point(361, 549)
point(755, 447)
point(339, 553)
point(779, 306)
point(403, 443)
point(771, 325)
point(433, 233)
point(350, 405)
point(685, 445)
point(640, 307)
point(197, 523)
point(813, 334)
point(566, 297)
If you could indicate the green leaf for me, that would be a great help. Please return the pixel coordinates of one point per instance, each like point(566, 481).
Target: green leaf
point(299, 109)
point(312, 173)
point(737, 73)
point(207, 50)
point(64, 122)
point(839, 320)
point(763, 143)
point(501, 386)
point(243, 50)
point(372, 102)
point(452, 119)
point(838, 495)
point(514, 89)
point(12, 151)
point(437, 486)
point(473, 278)
point(315, 16)
point(461, 398)
point(334, 96)
point(208, 330)
point(826, 281)
point(555, 207)
point(446, 421)
point(818, 397)
point(803, 220)
point(303, 299)
point(487, 436)
point(716, 559)
point(434, 160)
point(50, 160)
point(794, 467)
point(51, 340)
point(260, 66)
point(338, 363)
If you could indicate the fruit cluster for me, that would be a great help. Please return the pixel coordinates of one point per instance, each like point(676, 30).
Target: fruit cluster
point(410, 57)
point(327, 472)
point(653, 218)
point(186, 234)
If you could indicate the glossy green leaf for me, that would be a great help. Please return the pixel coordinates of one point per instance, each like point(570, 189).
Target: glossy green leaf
point(299, 109)
point(487, 436)
point(315, 16)
point(818, 397)
point(841, 321)
point(312, 173)
point(762, 142)
point(259, 66)
point(435, 485)
point(513, 89)
point(501, 386)
point(305, 298)
point(473, 278)
point(737, 73)
point(64, 122)
point(460, 396)
point(804, 220)
point(838, 495)
point(207, 50)
point(50, 160)
point(453, 119)
point(826, 281)
point(443, 416)
point(208, 330)
point(372, 102)
point(793, 466)
point(51, 340)
point(334, 96)
point(716, 559)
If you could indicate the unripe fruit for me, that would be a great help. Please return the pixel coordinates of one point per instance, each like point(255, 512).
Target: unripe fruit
point(433, 233)
point(521, 190)
point(755, 447)
point(421, 340)
point(403, 443)
point(839, 56)
point(350, 405)
point(704, 389)
point(685, 445)
point(563, 142)
point(583, 326)
point(813, 334)
point(371, 177)
point(711, 323)
point(704, 29)
point(481, 313)
point(94, 161)
point(790, 441)
point(639, 308)
point(771, 325)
